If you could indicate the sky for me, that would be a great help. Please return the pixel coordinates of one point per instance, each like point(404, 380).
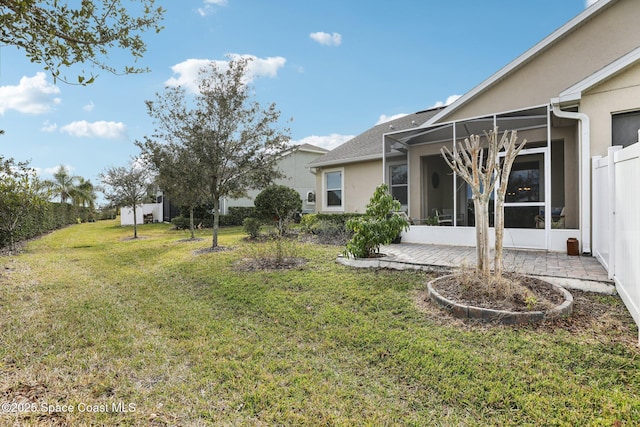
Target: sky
point(335, 68)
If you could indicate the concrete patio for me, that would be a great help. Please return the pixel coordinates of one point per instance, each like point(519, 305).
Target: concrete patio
point(578, 272)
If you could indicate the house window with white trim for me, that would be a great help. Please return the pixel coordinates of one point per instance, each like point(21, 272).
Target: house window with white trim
point(400, 183)
point(624, 128)
point(333, 190)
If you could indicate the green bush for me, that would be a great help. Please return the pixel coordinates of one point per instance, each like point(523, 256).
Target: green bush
point(181, 223)
point(379, 226)
point(308, 222)
point(280, 204)
point(251, 226)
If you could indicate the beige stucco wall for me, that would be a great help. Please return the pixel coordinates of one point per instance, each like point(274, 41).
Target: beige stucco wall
point(616, 95)
point(596, 43)
point(360, 181)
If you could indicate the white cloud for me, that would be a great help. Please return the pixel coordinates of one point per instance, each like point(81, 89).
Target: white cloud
point(450, 100)
point(99, 129)
point(334, 39)
point(33, 95)
point(187, 71)
point(384, 118)
point(89, 106)
point(329, 142)
point(50, 171)
point(588, 3)
point(49, 127)
point(209, 6)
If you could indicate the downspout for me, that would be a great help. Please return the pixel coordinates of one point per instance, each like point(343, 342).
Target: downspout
point(584, 171)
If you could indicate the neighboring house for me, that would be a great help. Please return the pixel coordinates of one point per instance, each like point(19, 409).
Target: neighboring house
point(294, 165)
point(572, 96)
point(347, 176)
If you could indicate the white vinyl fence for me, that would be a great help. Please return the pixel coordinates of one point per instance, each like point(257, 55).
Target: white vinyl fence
point(616, 221)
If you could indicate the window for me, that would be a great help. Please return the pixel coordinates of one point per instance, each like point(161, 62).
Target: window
point(333, 190)
point(311, 197)
point(624, 128)
point(399, 183)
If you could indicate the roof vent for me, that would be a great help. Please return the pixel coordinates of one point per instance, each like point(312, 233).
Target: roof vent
point(391, 127)
point(413, 122)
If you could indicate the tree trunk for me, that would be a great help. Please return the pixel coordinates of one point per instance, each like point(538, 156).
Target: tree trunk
point(191, 222)
point(216, 221)
point(135, 223)
point(499, 226)
point(483, 263)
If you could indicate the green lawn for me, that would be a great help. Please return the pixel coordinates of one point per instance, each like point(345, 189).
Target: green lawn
point(89, 317)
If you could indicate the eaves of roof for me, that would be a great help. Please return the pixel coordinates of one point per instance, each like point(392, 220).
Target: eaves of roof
point(368, 145)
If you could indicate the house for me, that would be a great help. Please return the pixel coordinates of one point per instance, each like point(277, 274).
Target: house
point(347, 176)
point(293, 164)
point(572, 96)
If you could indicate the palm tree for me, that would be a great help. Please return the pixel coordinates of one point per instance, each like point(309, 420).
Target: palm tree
point(83, 194)
point(63, 184)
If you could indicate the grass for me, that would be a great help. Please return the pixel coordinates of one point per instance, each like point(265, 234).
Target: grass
point(89, 317)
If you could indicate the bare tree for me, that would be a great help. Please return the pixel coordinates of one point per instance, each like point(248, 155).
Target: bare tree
point(127, 187)
point(235, 142)
point(483, 175)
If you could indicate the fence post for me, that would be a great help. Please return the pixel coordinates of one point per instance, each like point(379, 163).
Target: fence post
point(611, 170)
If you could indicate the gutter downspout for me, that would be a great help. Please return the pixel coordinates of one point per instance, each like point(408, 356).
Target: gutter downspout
point(584, 171)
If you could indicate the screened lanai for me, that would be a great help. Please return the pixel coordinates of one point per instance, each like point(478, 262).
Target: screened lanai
point(542, 201)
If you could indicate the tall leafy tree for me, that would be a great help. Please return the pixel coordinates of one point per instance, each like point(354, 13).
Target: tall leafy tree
point(127, 186)
point(20, 193)
point(234, 140)
point(57, 34)
point(178, 175)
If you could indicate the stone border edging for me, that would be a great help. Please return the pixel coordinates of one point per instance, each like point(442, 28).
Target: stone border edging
point(502, 316)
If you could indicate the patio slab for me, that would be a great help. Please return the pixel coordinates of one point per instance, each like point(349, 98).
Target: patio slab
point(578, 272)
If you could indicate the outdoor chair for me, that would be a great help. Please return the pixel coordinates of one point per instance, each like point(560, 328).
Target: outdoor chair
point(444, 218)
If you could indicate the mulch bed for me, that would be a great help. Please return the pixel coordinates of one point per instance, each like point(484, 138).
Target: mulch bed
point(514, 293)
point(598, 318)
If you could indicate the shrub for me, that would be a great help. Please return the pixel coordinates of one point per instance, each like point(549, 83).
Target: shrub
point(251, 226)
point(378, 227)
point(181, 223)
point(308, 222)
point(279, 203)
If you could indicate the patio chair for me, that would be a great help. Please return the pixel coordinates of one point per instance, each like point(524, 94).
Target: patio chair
point(444, 218)
point(555, 223)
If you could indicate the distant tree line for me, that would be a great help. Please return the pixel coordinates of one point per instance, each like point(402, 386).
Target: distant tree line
point(26, 206)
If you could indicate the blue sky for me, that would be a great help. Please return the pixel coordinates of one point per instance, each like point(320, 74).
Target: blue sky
point(336, 67)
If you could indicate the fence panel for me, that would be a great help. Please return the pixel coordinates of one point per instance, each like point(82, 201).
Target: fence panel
point(627, 229)
point(600, 199)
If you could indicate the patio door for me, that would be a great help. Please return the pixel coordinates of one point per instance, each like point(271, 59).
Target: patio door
point(525, 200)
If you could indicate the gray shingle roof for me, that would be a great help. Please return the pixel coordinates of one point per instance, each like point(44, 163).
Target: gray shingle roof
point(368, 145)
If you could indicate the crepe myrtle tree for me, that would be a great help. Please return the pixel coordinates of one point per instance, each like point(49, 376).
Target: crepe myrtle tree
point(58, 34)
point(235, 142)
point(484, 175)
point(127, 186)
